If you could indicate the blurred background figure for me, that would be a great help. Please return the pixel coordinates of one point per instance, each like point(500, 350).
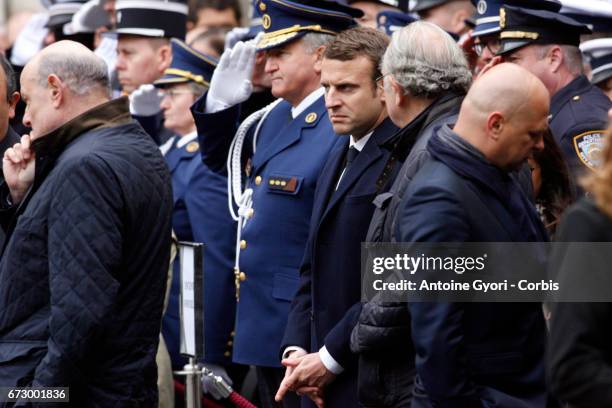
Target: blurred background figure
point(216, 13)
point(450, 15)
point(9, 8)
point(599, 55)
point(371, 9)
point(580, 341)
point(144, 53)
point(60, 24)
point(8, 99)
point(551, 183)
point(209, 41)
point(390, 21)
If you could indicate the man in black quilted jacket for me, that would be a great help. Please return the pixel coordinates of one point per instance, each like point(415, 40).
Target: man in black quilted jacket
point(86, 207)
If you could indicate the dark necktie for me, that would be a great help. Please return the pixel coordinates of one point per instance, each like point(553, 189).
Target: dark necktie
point(350, 157)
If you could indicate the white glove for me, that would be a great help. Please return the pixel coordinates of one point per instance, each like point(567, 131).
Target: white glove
point(231, 80)
point(90, 17)
point(30, 39)
point(237, 34)
point(145, 100)
point(208, 382)
point(107, 50)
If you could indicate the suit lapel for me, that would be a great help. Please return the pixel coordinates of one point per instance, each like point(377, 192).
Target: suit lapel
point(329, 178)
point(370, 153)
point(291, 134)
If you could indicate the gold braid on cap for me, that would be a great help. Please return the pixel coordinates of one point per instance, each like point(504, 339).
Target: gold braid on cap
point(280, 36)
point(188, 75)
point(518, 35)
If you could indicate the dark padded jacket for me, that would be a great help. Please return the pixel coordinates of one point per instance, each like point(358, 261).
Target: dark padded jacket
point(83, 273)
point(386, 361)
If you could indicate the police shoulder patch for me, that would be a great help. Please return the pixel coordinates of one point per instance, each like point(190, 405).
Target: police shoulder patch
point(589, 146)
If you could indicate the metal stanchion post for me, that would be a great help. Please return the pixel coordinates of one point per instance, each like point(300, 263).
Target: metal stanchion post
point(193, 384)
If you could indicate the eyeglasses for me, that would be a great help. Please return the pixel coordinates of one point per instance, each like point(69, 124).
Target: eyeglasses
point(162, 93)
point(380, 78)
point(492, 44)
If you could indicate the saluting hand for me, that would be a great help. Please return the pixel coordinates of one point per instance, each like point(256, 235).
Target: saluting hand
point(18, 166)
point(231, 80)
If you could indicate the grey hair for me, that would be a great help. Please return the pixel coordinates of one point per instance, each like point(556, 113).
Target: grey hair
point(312, 41)
point(81, 74)
point(426, 61)
point(197, 89)
point(572, 57)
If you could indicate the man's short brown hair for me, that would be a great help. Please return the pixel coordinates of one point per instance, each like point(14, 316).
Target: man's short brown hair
point(357, 42)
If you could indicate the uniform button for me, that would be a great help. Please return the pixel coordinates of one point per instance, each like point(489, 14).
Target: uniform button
point(250, 213)
point(230, 343)
point(227, 354)
point(258, 180)
point(233, 333)
point(242, 276)
point(576, 98)
point(243, 244)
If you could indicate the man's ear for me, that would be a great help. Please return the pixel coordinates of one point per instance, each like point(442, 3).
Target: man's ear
point(398, 92)
point(318, 55)
point(56, 90)
point(555, 56)
point(164, 57)
point(495, 125)
point(13, 103)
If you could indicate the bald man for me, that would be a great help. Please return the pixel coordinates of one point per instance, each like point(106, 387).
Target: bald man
point(469, 353)
point(87, 206)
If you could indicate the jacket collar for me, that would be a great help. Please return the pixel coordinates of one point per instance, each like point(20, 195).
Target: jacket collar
point(402, 142)
point(111, 113)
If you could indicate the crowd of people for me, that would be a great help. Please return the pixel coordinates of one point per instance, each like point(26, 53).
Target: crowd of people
point(282, 145)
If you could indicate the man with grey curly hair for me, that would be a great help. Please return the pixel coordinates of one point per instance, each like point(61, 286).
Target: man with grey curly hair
point(425, 79)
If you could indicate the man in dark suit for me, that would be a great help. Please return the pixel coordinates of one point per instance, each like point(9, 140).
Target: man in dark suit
point(474, 354)
point(316, 343)
point(8, 100)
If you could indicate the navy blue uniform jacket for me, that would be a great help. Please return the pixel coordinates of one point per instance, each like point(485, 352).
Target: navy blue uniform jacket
point(327, 304)
point(578, 120)
point(200, 214)
point(283, 173)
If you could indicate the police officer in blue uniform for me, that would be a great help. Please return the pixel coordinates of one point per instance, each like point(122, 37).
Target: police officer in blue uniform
point(275, 161)
point(546, 43)
point(200, 211)
point(486, 31)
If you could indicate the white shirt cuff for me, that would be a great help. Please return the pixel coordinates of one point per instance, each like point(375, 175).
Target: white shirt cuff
point(213, 105)
point(292, 348)
point(329, 362)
